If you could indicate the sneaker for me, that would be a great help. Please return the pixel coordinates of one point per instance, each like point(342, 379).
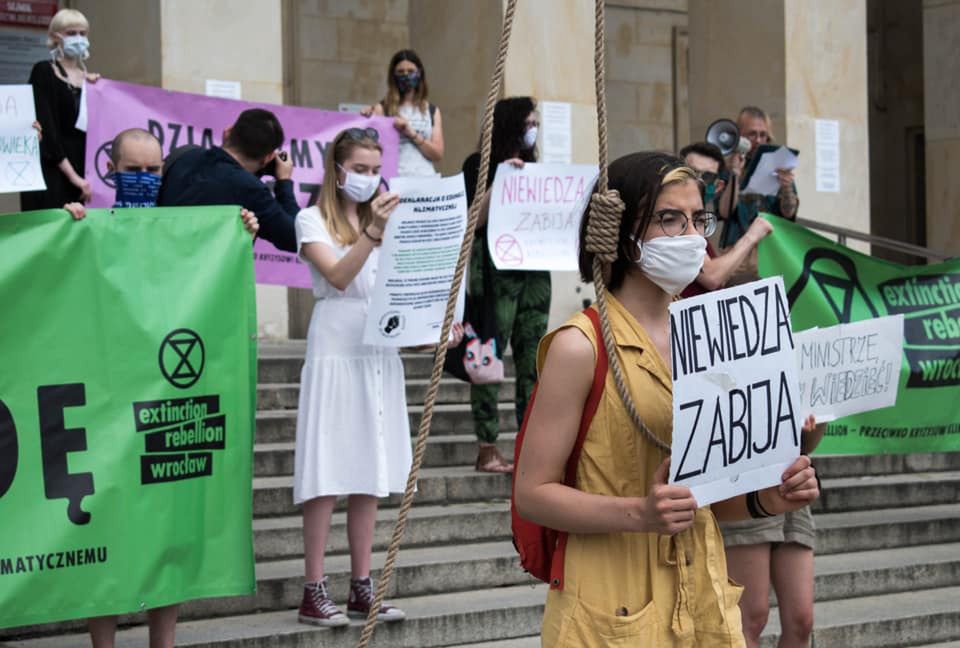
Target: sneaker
point(318, 609)
point(361, 599)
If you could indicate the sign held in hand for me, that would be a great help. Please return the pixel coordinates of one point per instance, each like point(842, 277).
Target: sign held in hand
point(535, 215)
point(418, 259)
point(19, 141)
point(850, 368)
point(736, 421)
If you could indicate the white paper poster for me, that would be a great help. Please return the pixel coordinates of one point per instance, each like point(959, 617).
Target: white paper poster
point(827, 133)
point(417, 261)
point(850, 368)
point(223, 89)
point(535, 214)
point(736, 415)
point(19, 143)
point(764, 179)
point(556, 132)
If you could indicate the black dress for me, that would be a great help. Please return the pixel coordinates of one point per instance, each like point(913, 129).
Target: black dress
point(57, 103)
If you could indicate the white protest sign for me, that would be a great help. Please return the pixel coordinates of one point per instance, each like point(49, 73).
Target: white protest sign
point(535, 214)
point(736, 416)
point(850, 368)
point(418, 258)
point(19, 144)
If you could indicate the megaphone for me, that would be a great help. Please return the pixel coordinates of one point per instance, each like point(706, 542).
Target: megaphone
point(724, 134)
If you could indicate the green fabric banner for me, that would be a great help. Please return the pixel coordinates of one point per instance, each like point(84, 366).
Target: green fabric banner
point(128, 347)
point(829, 284)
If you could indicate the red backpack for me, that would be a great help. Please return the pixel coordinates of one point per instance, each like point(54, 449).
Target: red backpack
point(541, 549)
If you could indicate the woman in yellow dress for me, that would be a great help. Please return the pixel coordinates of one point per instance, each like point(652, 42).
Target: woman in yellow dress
point(643, 566)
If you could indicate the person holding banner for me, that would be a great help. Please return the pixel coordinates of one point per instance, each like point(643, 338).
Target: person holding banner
point(642, 564)
point(521, 299)
point(57, 92)
point(416, 119)
point(353, 434)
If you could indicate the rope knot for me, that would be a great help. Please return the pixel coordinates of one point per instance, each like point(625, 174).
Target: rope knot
point(603, 225)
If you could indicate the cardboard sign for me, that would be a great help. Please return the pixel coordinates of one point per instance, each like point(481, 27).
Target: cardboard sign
point(535, 214)
point(736, 416)
point(417, 262)
point(19, 143)
point(850, 368)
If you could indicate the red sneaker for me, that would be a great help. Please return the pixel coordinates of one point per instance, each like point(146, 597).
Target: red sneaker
point(361, 600)
point(318, 609)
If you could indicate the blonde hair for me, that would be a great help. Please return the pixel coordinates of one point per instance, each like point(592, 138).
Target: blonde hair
point(330, 202)
point(64, 19)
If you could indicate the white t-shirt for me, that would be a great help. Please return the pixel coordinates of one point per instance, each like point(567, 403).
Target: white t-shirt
point(312, 229)
point(410, 161)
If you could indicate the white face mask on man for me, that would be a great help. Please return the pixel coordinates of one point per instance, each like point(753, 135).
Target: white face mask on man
point(672, 262)
point(358, 187)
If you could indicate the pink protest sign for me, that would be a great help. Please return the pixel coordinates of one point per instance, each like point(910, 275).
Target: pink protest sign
point(180, 118)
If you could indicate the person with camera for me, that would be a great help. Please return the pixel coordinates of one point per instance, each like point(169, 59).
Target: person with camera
point(230, 175)
point(353, 434)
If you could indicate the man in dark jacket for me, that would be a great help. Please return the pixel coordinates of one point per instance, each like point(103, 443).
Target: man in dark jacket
point(230, 176)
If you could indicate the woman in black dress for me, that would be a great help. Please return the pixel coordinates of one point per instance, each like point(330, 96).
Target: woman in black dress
point(57, 85)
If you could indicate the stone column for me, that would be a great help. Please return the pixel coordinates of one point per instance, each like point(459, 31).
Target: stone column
point(215, 40)
point(941, 80)
point(800, 60)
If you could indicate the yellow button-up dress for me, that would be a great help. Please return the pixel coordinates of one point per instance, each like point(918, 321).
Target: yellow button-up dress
point(638, 589)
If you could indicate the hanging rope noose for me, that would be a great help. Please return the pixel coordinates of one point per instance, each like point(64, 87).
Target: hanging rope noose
point(603, 233)
point(486, 137)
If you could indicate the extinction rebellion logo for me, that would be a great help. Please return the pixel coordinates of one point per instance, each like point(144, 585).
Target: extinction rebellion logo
point(179, 433)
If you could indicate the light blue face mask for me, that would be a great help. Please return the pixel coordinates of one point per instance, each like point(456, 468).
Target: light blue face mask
point(136, 188)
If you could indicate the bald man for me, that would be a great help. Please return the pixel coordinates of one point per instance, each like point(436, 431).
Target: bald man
point(136, 165)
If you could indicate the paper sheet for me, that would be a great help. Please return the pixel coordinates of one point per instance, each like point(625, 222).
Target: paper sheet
point(764, 179)
point(19, 144)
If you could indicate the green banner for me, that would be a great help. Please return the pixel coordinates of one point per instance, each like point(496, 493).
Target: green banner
point(828, 284)
point(128, 347)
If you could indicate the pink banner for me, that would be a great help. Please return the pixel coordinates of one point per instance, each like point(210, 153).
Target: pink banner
point(179, 118)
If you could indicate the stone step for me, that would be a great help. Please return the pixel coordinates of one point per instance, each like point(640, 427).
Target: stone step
point(279, 396)
point(282, 537)
point(274, 426)
point(286, 368)
point(453, 484)
point(910, 618)
point(888, 491)
point(495, 616)
point(887, 528)
point(856, 465)
point(424, 571)
point(276, 459)
point(523, 642)
point(432, 621)
point(449, 485)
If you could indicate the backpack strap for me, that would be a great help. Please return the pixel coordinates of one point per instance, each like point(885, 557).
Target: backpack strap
point(433, 111)
point(589, 410)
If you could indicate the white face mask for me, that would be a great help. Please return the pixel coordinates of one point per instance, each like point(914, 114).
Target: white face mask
point(672, 262)
point(530, 138)
point(76, 47)
point(358, 187)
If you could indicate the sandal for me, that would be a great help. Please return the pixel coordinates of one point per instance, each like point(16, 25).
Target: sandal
point(490, 460)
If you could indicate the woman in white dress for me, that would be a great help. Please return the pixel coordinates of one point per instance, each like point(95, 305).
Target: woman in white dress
point(416, 119)
point(353, 435)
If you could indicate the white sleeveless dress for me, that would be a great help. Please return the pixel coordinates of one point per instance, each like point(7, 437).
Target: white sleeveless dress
point(353, 435)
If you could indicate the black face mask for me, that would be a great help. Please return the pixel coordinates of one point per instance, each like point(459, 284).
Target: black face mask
point(407, 82)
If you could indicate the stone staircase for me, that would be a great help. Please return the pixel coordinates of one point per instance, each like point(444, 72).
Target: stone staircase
point(887, 568)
